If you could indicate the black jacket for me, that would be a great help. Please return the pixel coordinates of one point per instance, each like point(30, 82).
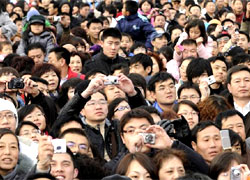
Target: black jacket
point(103, 63)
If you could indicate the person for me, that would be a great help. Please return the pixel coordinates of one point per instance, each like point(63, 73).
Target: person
point(189, 91)
point(221, 165)
point(38, 176)
point(37, 52)
point(133, 24)
point(36, 32)
point(60, 58)
point(77, 60)
point(158, 40)
point(189, 110)
point(137, 166)
point(141, 64)
point(206, 140)
point(94, 26)
point(117, 108)
point(243, 41)
point(238, 85)
point(170, 164)
point(28, 129)
point(111, 40)
point(5, 49)
point(237, 6)
point(8, 28)
point(162, 87)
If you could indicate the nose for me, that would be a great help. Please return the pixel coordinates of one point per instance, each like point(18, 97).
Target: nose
point(212, 144)
point(176, 174)
point(6, 150)
point(58, 168)
point(5, 120)
point(242, 83)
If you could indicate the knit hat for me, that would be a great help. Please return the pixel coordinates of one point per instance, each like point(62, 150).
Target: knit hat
point(7, 105)
point(37, 19)
point(116, 177)
point(32, 12)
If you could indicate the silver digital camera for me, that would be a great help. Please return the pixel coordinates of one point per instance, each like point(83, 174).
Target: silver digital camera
point(235, 173)
point(149, 138)
point(111, 80)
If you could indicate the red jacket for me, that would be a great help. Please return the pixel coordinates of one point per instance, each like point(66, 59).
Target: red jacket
point(72, 74)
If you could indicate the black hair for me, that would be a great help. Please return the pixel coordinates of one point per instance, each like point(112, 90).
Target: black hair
point(3, 4)
point(94, 21)
point(143, 59)
point(60, 7)
point(138, 81)
point(23, 123)
point(150, 110)
point(55, 4)
point(159, 77)
point(4, 131)
point(176, 107)
point(120, 66)
point(189, 2)
point(236, 69)
point(197, 67)
point(93, 72)
point(226, 20)
point(226, 114)
point(35, 46)
point(61, 53)
point(200, 127)
point(131, 7)
point(111, 9)
point(137, 45)
point(38, 79)
point(111, 32)
point(235, 138)
point(244, 33)
point(206, 2)
point(188, 42)
point(211, 28)
point(218, 58)
point(188, 85)
point(240, 58)
point(82, 5)
point(112, 105)
point(167, 52)
point(40, 175)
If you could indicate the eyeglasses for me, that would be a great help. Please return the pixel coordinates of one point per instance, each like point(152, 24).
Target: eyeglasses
point(33, 132)
point(8, 116)
point(131, 131)
point(37, 115)
point(121, 108)
point(93, 103)
point(189, 97)
point(71, 144)
point(193, 113)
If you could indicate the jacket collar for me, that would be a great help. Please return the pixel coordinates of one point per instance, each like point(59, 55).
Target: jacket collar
point(134, 16)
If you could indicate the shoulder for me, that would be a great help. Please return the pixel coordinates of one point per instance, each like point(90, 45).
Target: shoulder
point(142, 18)
point(120, 18)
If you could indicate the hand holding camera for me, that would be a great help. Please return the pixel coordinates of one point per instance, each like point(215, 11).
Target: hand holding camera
point(29, 86)
point(240, 172)
point(126, 85)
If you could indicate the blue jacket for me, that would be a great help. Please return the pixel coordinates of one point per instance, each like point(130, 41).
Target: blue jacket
point(137, 26)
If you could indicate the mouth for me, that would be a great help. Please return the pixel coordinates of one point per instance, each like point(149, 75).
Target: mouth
point(213, 153)
point(7, 160)
point(60, 177)
point(99, 113)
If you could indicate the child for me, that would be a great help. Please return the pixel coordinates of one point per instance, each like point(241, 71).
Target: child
point(135, 25)
point(126, 42)
point(5, 49)
point(36, 32)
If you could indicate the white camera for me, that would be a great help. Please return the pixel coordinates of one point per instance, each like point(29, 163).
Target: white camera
point(111, 80)
point(59, 145)
point(210, 80)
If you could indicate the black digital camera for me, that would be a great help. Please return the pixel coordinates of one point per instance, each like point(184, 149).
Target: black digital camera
point(16, 83)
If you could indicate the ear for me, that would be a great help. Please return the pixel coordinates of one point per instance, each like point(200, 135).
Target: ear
point(101, 43)
point(83, 112)
point(62, 61)
point(148, 69)
point(153, 43)
point(194, 145)
point(123, 140)
point(75, 172)
point(229, 87)
point(152, 94)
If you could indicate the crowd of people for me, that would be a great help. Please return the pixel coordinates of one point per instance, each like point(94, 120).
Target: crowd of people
point(140, 90)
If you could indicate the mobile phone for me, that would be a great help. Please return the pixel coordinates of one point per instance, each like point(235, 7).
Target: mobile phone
point(225, 139)
point(180, 47)
point(210, 80)
point(59, 145)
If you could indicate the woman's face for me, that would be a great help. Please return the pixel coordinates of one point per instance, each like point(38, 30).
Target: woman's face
point(145, 7)
point(37, 117)
point(75, 64)
point(36, 28)
point(236, 148)
point(71, 92)
point(226, 175)
point(9, 8)
point(171, 169)
point(137, 172)
point(121, 109)
point(182, 20)
point(175, 33)
point(194, 32)
point(190, 115)
point(52, 79)
point(65, 8)
point(30, 132)
point(155, 68)
point(183, 69)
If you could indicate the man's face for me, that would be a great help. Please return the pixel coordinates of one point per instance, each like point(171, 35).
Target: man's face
point(8, 120)
point(236, 124)
point(8, 153)
point(238, 7)
point(37, 55)
point(29, 132)
point(208, 143)
point(243, 42)
point(131, 130)
point(159, 42)
point(189, 51)
point(239, 86)
point(19, 26)
point(139, 69)
point(65, 21)
point(51, 9)
point(221, 42)
point(85, 11)
point(94, 30)
point(53, 60)
point(195, 11)
point(96, 109)
point(62, 167)
point(210, 8)
point(165, 92)
point(219, 71)
point(111, 46)
point(112, 92)
point(190, 94)
point(77, 143)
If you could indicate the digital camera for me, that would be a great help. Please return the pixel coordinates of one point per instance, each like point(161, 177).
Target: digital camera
point(111, 80)
point(16, 83)
point(59, 145)
point(149, 138)
point(235, 173)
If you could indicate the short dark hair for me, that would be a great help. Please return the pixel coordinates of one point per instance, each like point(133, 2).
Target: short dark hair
point(176, 107)
point(200, 127)
point(55, 4)
point(137, 45)
point(218, 58)
point(131, 7)
point(138, 81)
point(150, 110)
point(244, 33)
point(188, 42)
point(240, 58)
point(61, 53)
point(188, 85)
point(8, 70)
point(4, 131)
point(94, 21)
point(73, 131)
point(82, 5)
point(111, 32)
point(21, 124)
point(236, 69)
point(40, 175)
point(159, 77)
point(226, 114)
point(111, 9)
point(135, 113)
point(226, 20)
point(197, 67)
point(194, 5)
point(143, 59)
point(35, 46)
point(112, 105)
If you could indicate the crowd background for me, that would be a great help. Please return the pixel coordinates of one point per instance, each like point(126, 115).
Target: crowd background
point(112, 89)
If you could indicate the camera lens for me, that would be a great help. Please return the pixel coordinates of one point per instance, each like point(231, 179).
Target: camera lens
point(236, 172)
point(58, 148)
point(149, 138)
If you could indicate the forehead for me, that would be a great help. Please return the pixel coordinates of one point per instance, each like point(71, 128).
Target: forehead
point(208, 131)
point(135, 122)
point(110, 38)
point(27, 127)
point(97, 96)
point(60, 157)
point(240, 74)
point(37, 50)
point(219, 62)
point(165, 82)
point(232, 119)
point(94, 24)
point(189, 46)
point(8, 138)
point(187, 91)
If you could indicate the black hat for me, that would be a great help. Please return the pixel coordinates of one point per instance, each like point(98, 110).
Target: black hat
point(37, 19)
point(234, 50)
